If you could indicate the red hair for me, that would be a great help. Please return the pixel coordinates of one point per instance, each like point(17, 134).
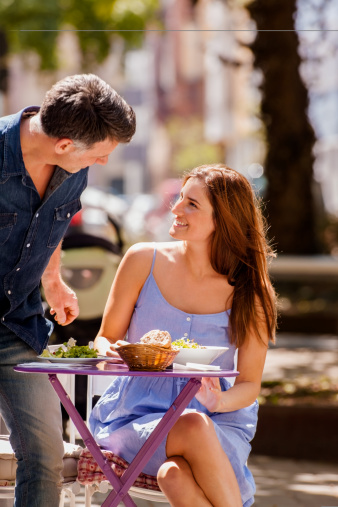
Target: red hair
point(239, 249)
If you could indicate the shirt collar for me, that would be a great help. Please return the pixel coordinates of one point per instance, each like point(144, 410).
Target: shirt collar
point(13, 160)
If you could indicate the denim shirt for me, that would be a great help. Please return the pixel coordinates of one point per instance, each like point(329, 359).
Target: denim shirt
point(30, 230)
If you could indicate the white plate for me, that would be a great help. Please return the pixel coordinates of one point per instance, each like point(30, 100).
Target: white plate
point(199, 356)
point(81, 360)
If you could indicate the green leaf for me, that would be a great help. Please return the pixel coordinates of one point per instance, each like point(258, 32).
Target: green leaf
point(32, 25)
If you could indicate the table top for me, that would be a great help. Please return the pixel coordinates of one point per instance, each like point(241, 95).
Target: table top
point(106, 368)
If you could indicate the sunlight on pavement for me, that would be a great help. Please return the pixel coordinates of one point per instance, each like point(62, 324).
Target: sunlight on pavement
point(293, 483)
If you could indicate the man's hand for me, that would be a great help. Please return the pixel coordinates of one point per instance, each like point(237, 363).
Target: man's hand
point(61, 298)
point(62, 301)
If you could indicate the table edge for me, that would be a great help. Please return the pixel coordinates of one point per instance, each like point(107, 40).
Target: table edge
point(25, 368)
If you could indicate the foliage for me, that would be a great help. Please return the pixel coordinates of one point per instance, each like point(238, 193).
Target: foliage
point(305, 391)
point(34, 25)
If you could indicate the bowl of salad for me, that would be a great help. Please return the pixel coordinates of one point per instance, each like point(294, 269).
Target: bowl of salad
point(192, 352)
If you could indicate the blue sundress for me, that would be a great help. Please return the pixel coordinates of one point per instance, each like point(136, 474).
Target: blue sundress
point(131, 407)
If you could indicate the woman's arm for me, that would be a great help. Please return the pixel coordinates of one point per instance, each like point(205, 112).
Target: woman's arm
point(250, 364)
point(128, 282)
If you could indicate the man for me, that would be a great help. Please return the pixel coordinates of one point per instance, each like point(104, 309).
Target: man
point(44, 157)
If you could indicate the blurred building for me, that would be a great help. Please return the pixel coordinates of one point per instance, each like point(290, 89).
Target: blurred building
point(203, 71)
point(128, 171)
point(231, 96)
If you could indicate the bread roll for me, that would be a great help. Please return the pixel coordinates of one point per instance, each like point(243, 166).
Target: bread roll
point(158, 338)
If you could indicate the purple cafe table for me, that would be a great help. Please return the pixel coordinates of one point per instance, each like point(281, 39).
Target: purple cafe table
point(121, 485)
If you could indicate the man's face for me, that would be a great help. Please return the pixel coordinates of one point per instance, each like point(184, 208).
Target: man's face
point(73, 159)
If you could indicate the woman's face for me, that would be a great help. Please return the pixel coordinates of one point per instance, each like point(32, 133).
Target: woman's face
point(193, 213)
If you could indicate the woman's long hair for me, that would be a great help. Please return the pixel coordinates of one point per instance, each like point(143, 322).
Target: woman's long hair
point(239, 249)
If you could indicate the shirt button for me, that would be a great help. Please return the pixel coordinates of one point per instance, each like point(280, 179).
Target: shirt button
point(36, 216)
point(185, 334)
point(188, 318)
point(28, 245)
point(9, 292)
point(18, 269)
point(3, 319)
point(68, 215)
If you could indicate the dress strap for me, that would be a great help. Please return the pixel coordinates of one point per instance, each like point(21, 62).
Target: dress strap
point(154, 257)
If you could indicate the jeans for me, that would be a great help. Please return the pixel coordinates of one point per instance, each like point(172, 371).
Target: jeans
point(31, 411)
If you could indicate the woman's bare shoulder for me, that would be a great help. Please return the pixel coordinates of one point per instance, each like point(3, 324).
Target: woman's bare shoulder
point(140, 255)
point(136, 263)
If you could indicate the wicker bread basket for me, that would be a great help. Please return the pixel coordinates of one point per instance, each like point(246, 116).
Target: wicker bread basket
point(146, 357)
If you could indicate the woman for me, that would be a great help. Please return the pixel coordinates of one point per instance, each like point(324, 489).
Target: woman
point(211, 285)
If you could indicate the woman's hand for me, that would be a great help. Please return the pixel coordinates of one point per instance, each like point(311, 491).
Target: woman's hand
point(111, 349)
point(105, 347)
point(111, 352)
point(210, 393)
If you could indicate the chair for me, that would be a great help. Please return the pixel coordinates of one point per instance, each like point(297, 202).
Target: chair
point(96, 387)
point(70, 486)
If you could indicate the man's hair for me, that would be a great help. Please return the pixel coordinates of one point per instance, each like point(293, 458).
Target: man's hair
point(85, 109)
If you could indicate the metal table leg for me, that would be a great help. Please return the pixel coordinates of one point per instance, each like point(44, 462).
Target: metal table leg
point(121, 485)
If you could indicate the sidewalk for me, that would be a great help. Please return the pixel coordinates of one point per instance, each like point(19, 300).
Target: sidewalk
point(299, 355)
point(287, 482)
point(279, 483)
point(293, 483)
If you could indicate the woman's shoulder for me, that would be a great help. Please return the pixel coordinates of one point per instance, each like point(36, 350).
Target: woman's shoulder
point(141, 248)
point(140, 256)
point(136, 263)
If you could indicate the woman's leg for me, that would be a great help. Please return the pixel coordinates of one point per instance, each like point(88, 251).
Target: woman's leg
point(177, 482)
point(193, 438)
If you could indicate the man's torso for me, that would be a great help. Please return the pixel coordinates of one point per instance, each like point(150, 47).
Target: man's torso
point(30, 230)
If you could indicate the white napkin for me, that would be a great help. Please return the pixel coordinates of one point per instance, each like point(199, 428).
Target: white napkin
point(195, 366)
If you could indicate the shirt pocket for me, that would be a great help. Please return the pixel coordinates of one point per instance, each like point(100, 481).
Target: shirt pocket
point(7, 222)
point(62, 218)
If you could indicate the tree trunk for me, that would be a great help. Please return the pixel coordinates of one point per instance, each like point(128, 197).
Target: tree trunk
point(290, 138)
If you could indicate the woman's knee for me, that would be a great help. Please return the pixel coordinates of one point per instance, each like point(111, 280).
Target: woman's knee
point(191, 431)
point(171, 474)
point(194, 422)
point(192, 426)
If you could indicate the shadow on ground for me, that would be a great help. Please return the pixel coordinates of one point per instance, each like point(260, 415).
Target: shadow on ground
point(294, 483)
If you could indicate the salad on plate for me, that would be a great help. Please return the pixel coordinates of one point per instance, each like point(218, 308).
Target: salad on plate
point(71, 350)
point(70, 353)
